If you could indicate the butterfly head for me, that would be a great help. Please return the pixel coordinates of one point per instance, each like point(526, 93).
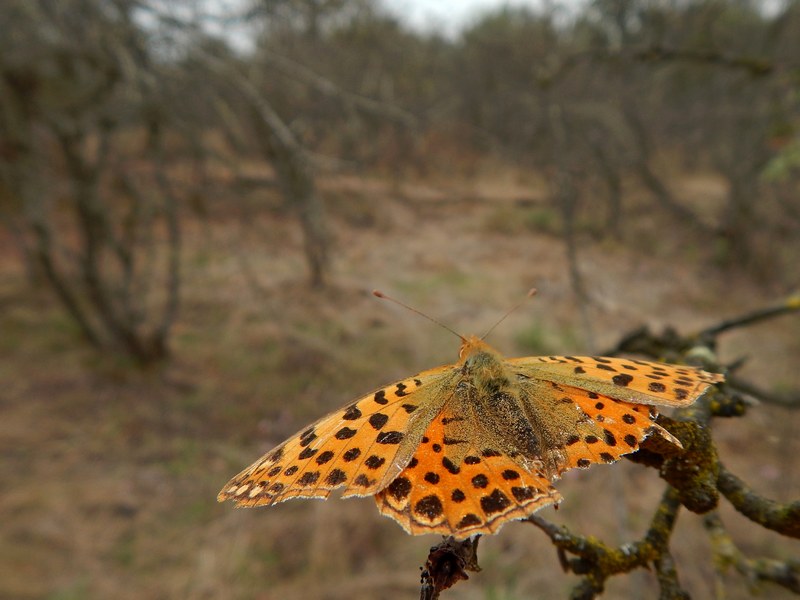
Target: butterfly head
point(475, 351)
point(483, 366)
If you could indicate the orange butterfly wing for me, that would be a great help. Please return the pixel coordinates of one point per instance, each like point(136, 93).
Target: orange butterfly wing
point(360, 447)
point(613, 398)
point(454, 487)
point(631, 380)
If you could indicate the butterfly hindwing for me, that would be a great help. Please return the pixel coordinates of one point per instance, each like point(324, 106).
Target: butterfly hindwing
point(360, 447)
point(454, 487)
point(584, 427)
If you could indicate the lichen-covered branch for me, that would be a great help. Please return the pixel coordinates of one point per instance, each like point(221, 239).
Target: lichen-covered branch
point(597, 561)
point(696, 477)
point(726, 554)
point(783, 518)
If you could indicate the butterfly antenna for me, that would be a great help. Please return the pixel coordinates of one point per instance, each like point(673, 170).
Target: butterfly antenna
point(383, 296)
point(531, 293)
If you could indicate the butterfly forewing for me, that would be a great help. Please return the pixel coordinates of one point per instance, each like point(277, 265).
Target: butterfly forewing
point(631, 380)
point(360, 447)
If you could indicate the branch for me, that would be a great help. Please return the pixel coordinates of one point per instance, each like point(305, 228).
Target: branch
point(565, 197)
point(549, 76)
point(783, 518)
point(160, 333)
point(790, 400)
point(783, 573)
point(325, 86)
point(790, 305)
point(292, 165)
point(597, 561)
point(755, 67)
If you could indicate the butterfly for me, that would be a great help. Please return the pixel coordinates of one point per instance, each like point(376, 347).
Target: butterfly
point(462, 449)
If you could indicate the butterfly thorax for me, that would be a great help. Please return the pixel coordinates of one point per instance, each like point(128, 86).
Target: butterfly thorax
point(483, 367)
point(489, 392)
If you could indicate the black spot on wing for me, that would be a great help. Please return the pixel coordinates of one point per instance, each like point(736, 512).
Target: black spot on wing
point(345, 433)
point(351, 454)
point(336, 477)
point(352, 413)
point(399, 488)
point(309, 478)
point(429, 507)
point(378, 420)
point(622, 379)
point(374, 461)
point(522, 493)
point(495, 502)
point(431, 477)
point(389, 437)
point(469, 520)
point(324, 457)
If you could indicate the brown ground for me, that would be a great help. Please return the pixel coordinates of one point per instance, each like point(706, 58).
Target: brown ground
point(109, 477)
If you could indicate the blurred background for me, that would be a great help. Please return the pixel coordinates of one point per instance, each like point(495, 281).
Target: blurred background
point(196, 198)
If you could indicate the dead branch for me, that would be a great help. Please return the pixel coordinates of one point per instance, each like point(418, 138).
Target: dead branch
point(302, 73)
point(447, 564)
point(789, 305)
point(566, 199)
point(291, 162)
point(755, 67)
point(748, 388)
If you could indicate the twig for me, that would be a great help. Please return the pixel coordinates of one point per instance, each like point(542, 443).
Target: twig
point(791, 304)
point(791, 401)
point(325, 86)
point(783, 573)
point(696, 479)
point(642, 341)
point(755, 67)
point(783, 518)
point(597, 561)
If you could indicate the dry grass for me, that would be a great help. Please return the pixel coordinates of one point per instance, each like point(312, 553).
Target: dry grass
point(109, 477)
